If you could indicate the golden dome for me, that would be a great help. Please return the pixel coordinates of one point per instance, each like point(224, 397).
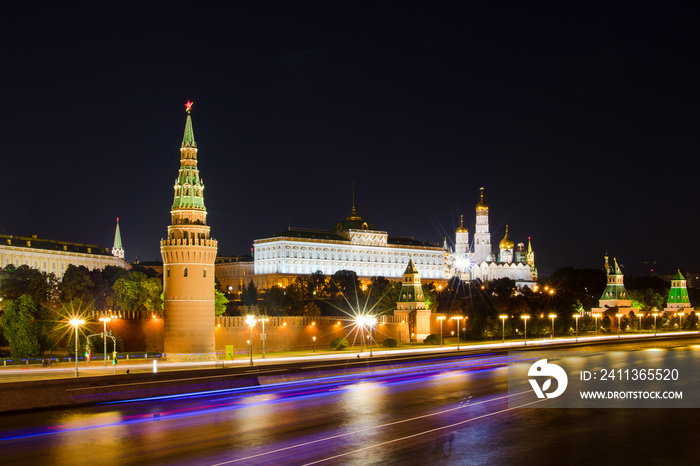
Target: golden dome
point(460, 228)
point(506, 242)
point(482, 206)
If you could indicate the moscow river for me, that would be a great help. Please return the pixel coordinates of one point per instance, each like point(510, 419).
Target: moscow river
point(443, 411)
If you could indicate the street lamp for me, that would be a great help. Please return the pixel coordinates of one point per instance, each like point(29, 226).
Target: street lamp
point(104, 320)
point(525, 317)
point(314, 339)
point(250, 320)
point(370, 320)
point(640, 315)
point(458, 319)
point(680, 323)
point(76, 323)
point(619, 316)
point(596, 315)
point(441, 318)
point(503, 320)
point(577, 317)
point(655, 314)
point(552, 316)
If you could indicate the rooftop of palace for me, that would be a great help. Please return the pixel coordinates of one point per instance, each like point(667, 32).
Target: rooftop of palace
point(34, 242)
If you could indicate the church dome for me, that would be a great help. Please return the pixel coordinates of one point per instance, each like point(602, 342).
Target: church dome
point(482, 206)
point(460, 228)
point(506, 242)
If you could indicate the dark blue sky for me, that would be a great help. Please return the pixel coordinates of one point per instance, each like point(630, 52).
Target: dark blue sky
point(580, 122)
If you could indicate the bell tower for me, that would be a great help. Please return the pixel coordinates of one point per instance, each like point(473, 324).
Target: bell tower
point(188, 263)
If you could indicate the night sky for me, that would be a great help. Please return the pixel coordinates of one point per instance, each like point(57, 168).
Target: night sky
point(581, 123)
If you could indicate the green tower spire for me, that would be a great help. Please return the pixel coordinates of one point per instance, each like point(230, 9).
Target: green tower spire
point(117, 249)
point(188, 138)
point(189, 187)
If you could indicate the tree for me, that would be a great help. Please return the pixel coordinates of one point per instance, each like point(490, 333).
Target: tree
point(26, 325)
point(345, 283)
point(249, 294)
point(136, 292)
point(76, 283)
point(220, 302)
point(312, 310)
point(14, 282)
point(383, 294)
point(273, 300)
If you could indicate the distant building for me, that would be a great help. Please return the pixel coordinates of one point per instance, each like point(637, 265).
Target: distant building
point(614, 299)
point(354, 244)
point(481, 263)
point(411, 304)
point(54, 257)
point(678, 301)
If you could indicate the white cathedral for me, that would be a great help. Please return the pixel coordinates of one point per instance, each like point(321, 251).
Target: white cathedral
point(481, 263)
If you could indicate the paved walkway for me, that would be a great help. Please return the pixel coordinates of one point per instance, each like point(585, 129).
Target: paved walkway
point(96, 368)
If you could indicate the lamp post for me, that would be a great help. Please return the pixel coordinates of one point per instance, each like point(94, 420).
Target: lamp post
point(104, 320)
point(525, 317)
point(680, 322)
point(76, 323)
point(596, 315)
point(314, 339)
point(441, 318)
point(577, 317)
point(552, 316)
point(250, 320)
point(619, 316)
point(640, 315)
point(655, 314)
point(371, 320)
point(503, 321)
point(458, 319)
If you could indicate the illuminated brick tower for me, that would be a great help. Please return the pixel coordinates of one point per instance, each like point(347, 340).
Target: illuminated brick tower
point(188, 263)
point(411, 303)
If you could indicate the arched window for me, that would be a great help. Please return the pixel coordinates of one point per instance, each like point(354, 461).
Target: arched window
point(184, 272)
point(204, 272)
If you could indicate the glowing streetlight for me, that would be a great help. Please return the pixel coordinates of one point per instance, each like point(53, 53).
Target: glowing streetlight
point(680, 323)
point(503, 320)
point(577, 317)
point(250, 320)
point(458, 319)
point(441, 318)
point(76, 323)
point(640, 315)
point(596, 315)
point(314, 339)
point(552, 316)
point(104, 320)
point(619, 316)
point(525, 317)
point(655, 314)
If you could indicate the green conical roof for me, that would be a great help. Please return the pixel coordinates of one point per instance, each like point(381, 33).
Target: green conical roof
point(117, 237)
point(410, 268)
point(188, 138)
point(678, 276)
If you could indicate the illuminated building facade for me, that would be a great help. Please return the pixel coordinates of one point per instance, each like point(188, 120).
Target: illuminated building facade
point(188, 264)
point(678, 300)
point(54, 257)
point(354, 244)
point(481, 263)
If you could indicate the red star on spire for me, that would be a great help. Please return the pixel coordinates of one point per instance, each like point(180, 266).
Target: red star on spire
point(188, 105)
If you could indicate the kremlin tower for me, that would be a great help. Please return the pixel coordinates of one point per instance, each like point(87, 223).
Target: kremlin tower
point(482, 236)
point(188, 263)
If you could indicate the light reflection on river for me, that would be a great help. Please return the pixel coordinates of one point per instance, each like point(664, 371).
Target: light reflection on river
point(446, 416)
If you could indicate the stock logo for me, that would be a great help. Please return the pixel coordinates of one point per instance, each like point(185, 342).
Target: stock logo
point(540, 370)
